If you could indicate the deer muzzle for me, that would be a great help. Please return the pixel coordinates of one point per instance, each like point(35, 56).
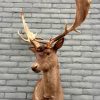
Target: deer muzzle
point(35, 67)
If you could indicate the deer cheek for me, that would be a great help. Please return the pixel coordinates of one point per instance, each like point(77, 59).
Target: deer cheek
point(45, 67)
point(45, 70)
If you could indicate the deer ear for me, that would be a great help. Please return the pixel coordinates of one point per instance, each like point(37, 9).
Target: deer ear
point(58, 44)
point(32, 49)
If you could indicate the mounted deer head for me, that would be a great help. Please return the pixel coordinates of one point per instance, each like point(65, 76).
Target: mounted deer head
point(44, 55)
point(46, 58)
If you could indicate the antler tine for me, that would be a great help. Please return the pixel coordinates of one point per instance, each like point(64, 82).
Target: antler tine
point(22, 37)
point(31, 37)
point(82, 7)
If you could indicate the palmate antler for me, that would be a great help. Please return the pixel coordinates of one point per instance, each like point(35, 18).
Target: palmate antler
point(82, 8)
point(81, 13)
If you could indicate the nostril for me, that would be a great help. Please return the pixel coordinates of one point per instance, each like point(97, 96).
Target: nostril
point(35, 65)
point(33, 68)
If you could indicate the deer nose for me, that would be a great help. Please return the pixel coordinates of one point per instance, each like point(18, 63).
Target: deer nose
point(35, 68)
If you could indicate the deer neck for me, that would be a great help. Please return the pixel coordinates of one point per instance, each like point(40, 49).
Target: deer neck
point(51, 81)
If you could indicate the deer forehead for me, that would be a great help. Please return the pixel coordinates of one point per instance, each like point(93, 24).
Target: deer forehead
point(45, 52)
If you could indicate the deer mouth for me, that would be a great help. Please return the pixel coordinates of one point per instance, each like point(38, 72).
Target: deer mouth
point(36, 70)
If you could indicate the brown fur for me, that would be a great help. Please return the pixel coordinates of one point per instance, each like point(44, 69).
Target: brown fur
point(49, 88)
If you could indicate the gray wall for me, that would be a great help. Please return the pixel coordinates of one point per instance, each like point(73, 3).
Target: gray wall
point(79, 57)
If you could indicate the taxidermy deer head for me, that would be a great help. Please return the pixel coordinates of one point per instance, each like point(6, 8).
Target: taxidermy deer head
point(49, 88)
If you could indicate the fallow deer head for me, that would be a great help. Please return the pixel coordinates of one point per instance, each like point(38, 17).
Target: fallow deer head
point(46, 50)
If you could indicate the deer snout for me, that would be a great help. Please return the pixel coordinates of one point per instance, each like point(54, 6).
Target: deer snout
point(35, 67)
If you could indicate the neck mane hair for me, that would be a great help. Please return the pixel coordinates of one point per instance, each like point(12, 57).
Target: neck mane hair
point(51, 81)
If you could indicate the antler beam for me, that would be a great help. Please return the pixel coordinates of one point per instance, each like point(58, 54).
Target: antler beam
point(82, 8)
point(31, 37)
